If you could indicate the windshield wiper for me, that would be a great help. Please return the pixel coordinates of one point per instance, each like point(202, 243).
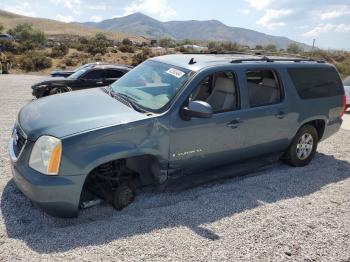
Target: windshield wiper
point(127, 99)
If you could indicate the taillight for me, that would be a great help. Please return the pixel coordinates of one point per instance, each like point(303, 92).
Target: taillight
point(343, 106)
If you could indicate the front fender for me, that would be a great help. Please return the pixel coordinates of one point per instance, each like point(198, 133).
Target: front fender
point(84, 152)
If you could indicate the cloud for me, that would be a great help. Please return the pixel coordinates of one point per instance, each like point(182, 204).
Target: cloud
point(336, 12)
point(97, 7)
point(259, 4)
point(244, 11)
point(73, 5)
point(159, 8)
point(96, 19)
point(326, 28)
point(272, 18)
point(21, 8)
point(65, 19)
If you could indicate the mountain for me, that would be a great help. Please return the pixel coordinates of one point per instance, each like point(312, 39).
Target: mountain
point(56, 28)
point(140, 24)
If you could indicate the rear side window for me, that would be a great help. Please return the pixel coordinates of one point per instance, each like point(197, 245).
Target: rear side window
point(263, 87)
point(316, 82)
point(112, 73)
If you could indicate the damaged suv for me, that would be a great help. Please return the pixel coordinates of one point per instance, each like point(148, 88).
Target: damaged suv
point(172, 122)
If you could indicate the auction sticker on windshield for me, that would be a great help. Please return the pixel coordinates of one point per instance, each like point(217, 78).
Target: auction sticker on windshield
point(175, 72)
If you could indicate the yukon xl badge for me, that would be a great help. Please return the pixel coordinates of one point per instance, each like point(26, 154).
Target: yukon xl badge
point(194, 151)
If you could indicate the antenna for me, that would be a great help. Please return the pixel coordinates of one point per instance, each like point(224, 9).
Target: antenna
point(192, 62)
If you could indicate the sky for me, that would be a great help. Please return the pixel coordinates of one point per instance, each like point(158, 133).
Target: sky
point(302, 20)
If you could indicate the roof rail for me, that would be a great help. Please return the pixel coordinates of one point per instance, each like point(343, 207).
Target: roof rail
point(270, 60)
point(216, 53)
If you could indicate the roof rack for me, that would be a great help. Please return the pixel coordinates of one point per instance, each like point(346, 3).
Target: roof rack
point(270, 60)
point(216, 53)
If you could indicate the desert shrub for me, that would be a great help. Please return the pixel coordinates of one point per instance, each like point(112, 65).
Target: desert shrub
point(70, 61)
point(98, 44)
point(126, 49)
point(83, 40)
point(28, 37)
point(126, 41)
point(59, 50)
point(34, 61)
point(166, 42)
point(294, 48)
point(223, 46)
point(1, 28)
point(142, 56)
point(10, 46)
point(270, 48)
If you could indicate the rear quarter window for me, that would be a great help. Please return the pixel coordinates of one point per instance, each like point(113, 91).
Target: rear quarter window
point(316, 82)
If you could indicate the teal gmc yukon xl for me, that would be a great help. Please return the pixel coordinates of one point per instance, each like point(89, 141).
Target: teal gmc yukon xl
point(173, 120)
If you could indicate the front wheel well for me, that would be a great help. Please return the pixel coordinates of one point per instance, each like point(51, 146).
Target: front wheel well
point(105, 178)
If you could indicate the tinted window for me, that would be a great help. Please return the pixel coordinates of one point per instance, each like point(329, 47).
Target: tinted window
point(94, 74)
point(346, 81)
point(110, 73)
point(263, 87)
point(316, 82)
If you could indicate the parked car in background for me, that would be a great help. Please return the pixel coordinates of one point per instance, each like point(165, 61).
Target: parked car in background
point(59, 73)
point(346, 83)
point(92, 75)
point(6, 37)
point(173, 120)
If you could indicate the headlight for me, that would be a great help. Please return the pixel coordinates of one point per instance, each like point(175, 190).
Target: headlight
point(42, 86)
point(46, 155)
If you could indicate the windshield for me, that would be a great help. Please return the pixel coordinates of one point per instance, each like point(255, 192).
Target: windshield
point(77, 73)
point(151, 84)
point(346, 81)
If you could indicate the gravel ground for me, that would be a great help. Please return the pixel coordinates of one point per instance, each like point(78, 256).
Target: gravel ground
point(292, 214)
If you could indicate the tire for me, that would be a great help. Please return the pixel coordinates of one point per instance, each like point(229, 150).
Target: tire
point(123, 196)
point(58, 90)
point(303, 147)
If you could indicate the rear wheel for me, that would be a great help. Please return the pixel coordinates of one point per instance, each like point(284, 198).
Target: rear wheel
point(303, 147)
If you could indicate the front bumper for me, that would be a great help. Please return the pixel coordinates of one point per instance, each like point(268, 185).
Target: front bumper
point(56, 195)
point(38, 92)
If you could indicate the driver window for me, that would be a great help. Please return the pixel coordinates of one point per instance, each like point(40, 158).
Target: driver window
point(218, 90)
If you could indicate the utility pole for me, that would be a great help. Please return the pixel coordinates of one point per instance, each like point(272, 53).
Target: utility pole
point(313, 47)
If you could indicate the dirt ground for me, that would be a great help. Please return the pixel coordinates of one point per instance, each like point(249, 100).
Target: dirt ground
point(281, 214)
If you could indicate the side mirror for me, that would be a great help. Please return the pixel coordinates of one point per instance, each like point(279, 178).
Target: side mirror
point(199, 109)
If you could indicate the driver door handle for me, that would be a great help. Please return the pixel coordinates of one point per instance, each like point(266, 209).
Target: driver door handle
point(99, 82)
point(234, 123)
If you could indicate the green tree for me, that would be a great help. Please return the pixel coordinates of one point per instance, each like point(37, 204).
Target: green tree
point(270, 48)
point(294, 48)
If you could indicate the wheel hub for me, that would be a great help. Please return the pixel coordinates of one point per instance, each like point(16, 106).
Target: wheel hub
point(304, 146)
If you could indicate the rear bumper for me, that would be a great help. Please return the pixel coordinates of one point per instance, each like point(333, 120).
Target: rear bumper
point(56, 195)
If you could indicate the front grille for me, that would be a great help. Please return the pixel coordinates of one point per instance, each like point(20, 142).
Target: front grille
point(18, 141)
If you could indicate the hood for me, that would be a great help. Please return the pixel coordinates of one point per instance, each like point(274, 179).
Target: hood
point(69, 113)
point(55, 81)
